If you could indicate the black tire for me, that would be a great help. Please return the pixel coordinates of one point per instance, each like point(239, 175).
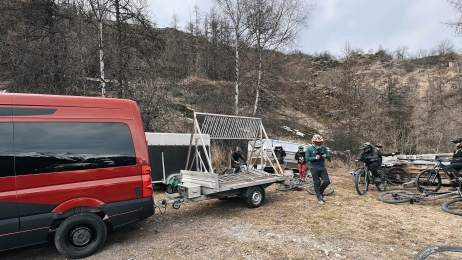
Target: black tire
point(428, 180)
point(361, 182)
point(382, 185)
point(328, 191)
point(283, 187)
point(453, 206)
point(227, 171)
point(395, 197)
point(80, 235)
point(424, 253)
point(256, 197)
point(398, 176)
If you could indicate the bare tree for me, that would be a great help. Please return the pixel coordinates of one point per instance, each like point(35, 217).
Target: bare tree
point(235, 11)
point(401, 52)
point(98, 10)
point(274, 25)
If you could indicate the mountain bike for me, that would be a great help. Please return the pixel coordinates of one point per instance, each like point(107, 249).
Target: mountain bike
point(232, 171)
point(396, 176)
point(363, 177)
point(310, 188)
point(433, 250)
point(293, 183)
point(401, 196)
point(430, 180)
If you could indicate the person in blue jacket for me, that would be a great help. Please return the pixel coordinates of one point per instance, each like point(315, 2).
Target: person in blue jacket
point(317, 155)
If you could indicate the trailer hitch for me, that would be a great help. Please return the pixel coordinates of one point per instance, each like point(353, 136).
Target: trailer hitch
point(162, 204)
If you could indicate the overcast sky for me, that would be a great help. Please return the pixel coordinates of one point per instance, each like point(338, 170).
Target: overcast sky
point(365, 24)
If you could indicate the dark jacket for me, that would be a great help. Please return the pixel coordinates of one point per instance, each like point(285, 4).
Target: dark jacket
point(235, 158)
point(457, 156)
point(300, 157)
point(280, 154)
point(310, 155)
point(369, 157)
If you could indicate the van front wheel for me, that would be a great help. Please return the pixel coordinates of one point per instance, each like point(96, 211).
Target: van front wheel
point(80, 235)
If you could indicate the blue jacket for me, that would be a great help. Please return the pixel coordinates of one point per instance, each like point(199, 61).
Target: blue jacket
point(310, 156)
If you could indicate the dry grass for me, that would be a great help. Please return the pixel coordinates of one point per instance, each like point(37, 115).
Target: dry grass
point(291, 225)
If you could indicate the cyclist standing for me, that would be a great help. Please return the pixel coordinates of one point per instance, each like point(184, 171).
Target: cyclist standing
point(300, 157)
point(235, 159)
point(371, 157)
point(317, 155)
point(456, 161)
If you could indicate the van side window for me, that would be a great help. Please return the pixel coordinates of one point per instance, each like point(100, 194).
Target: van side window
point(6, 150)
point(43, 147)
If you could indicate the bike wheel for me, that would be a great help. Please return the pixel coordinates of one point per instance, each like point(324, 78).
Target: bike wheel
point(328, 191)
point(424, 253)
point(283, 187)
point(227, 171)
point(428, 180)
point(361, 182)
point(453, 206)
point(382, 185)
point(398, 176)
point(395, 197)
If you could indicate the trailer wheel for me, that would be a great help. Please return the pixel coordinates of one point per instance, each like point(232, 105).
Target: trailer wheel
point(256, 197)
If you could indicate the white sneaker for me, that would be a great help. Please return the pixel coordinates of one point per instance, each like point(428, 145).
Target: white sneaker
point(320, 201)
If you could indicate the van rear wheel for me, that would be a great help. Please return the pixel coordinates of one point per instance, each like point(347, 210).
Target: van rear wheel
point(80, 235)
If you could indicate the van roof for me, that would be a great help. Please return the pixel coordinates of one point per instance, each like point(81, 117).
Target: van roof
point(64, 101)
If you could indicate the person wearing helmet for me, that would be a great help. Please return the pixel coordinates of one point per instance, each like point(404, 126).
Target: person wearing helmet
point(280, 154)
point(235, 159)
point(370, 156)
point(379, 147)
point(456, 161)
point(301, 163)
point(317, 155)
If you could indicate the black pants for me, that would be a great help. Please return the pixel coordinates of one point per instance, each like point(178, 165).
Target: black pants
point(236, 167)
point(374, 168)
point(321, 180)
point(456, 167)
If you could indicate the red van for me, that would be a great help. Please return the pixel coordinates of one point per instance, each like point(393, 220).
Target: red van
point(70, 166)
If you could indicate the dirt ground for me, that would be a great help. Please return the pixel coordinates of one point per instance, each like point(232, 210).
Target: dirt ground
point(290, 225)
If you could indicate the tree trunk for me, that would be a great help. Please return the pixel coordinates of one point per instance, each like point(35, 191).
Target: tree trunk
point(260, 72)
point(121, 92)
point(236, 94)
point(101, 60)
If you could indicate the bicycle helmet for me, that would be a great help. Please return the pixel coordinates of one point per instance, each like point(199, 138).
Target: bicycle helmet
point(301, 147)
point(317, 139)
point(366, 145)
point(456, 139)
point(379, 145)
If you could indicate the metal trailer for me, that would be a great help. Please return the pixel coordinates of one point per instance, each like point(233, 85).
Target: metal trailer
point(202, 183)
point(168, 153)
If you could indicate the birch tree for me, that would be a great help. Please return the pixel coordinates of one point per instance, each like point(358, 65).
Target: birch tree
point(274, 25)
point(98, 10)
point(235, 11)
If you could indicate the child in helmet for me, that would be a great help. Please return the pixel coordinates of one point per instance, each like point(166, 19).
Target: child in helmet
point(300, 157)
point(280, 154)
point(379, 147)
point(317, 155)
